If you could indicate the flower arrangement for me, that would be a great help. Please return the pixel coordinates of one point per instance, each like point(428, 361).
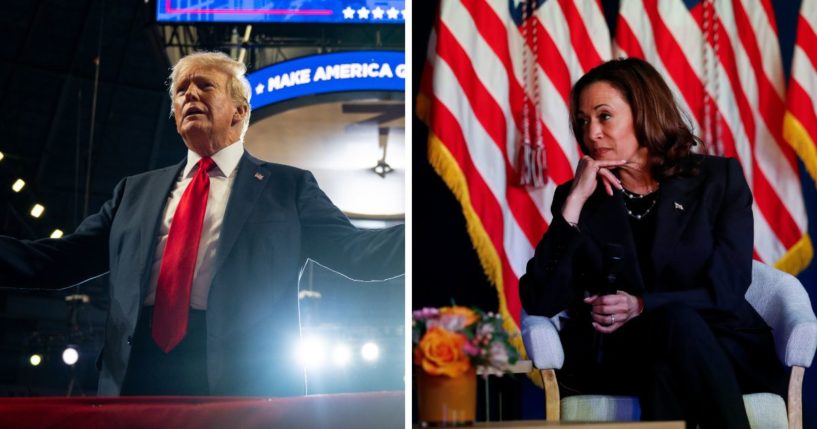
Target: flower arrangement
point(451, 340)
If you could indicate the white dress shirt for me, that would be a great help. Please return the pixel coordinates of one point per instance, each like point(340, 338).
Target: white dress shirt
point(222, 177)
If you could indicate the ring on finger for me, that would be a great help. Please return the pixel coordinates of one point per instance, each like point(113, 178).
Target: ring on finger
point(612, 319)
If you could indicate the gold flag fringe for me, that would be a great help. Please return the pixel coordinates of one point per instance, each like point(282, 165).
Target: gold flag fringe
point(798, 138)
point(447, 168)
point(797, 258)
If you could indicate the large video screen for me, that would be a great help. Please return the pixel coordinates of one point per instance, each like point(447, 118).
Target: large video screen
point(313, 11)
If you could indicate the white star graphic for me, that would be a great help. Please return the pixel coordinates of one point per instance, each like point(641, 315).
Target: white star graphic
point(363, 13)
point(348, 13)
point(378, 12)
point(392, 13)
point(259, 89)
point(403, 14)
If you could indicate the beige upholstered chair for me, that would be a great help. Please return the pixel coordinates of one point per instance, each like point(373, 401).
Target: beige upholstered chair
point(777, 296)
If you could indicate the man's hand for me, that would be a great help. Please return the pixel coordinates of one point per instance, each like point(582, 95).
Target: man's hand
point(610, 312)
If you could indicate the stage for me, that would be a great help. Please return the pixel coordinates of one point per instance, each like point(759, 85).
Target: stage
point(360, 411)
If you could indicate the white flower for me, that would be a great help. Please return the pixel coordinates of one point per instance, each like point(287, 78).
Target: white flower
point(453, 323)
point(485, 329)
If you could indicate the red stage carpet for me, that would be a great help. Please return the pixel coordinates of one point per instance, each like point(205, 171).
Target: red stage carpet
point(360, 410)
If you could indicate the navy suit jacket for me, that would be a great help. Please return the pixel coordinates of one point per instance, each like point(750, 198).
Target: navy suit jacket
point(276, 217)
point(701, 253)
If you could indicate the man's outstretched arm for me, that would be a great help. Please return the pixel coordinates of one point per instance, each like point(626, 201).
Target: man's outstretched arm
point(57, 263)
point(331, 240)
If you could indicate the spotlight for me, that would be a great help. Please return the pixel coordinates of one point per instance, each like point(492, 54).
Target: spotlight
point(370, 351)
point(37, 210)
point(311, 352)
point(18, 185)
point(341, 355)
point(70, 355)
point(57, 233)
point(35, 359)
point(2, 156)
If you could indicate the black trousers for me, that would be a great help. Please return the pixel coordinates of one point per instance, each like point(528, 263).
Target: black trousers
point(182, 371)
point(676, 364)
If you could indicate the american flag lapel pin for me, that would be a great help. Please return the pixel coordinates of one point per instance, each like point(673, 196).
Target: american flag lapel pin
point(260, 176)
point(678, 206)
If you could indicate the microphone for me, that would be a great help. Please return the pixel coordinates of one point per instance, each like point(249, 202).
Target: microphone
point(612, 270)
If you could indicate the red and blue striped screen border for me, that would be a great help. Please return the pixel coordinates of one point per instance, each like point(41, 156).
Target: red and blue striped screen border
point(303, 11)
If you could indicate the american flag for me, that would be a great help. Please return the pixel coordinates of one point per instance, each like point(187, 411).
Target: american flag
point(800, 122)
point(722, 60)
point(482, 80)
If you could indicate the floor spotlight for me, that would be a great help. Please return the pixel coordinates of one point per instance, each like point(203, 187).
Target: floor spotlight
point(70, 355)
point(311, 352)
point(35, 359)
point(370, 352)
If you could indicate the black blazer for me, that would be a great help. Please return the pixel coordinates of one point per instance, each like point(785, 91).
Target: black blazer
point(701, 255)
point(276, 217)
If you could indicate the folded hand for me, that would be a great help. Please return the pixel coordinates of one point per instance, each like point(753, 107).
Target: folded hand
point(610, 312)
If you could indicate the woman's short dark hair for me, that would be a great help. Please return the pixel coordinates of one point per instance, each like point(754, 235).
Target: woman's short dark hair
point(657, 119)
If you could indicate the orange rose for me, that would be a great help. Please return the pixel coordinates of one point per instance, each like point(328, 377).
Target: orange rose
point(465, 314)
point(440, 352)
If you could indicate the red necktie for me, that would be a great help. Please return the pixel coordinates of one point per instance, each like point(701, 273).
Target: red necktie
point(179, 261)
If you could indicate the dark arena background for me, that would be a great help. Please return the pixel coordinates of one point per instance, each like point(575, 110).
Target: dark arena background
point(84, 103)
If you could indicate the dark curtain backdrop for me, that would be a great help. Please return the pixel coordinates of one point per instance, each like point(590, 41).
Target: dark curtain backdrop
point(444, 264)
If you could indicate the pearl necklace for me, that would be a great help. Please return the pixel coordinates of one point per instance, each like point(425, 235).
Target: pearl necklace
point(632, 196)
point(639, 216)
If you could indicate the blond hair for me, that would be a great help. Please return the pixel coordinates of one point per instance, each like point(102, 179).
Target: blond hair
point(238, 87)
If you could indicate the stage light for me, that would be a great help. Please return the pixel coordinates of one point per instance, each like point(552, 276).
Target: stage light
point(18, 185)
point(57, 233)
point(370, 352)
point(2, 156)
point(311, 352)
point(341, 355)
point(70, 356)
point(35, 359)
point(37, 210)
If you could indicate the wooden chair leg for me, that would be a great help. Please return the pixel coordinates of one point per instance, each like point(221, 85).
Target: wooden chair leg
point(795, 401)
point(552, 401)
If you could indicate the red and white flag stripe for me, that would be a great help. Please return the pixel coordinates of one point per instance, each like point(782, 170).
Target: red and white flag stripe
point(800, 121)
point(722, 59)
point(477, 80)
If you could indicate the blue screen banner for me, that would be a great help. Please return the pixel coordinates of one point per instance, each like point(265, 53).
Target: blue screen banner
point(335, 72)
point(259, 11)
